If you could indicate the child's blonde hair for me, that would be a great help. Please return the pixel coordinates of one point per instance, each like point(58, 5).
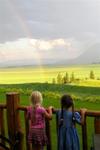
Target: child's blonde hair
point(36, 98)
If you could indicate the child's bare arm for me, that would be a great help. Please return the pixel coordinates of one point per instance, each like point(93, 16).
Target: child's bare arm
point(48, 113)
point(83, 111)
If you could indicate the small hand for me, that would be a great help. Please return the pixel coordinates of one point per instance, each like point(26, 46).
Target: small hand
point(50, 107)
point(83, 110)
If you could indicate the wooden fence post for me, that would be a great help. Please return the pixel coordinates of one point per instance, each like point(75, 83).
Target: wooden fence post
point(48, 133)
point(27, 130)
point(57, 131)
point(2, 124)
point(84, 135)
point(97, 125)
point(13, 118)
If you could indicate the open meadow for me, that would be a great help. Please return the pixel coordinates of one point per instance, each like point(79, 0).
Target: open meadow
point(86, 92)
point(46, 74)
point(88, 97)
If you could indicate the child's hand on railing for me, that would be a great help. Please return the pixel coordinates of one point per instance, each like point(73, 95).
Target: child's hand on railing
point(83, 110)
point(51, 108)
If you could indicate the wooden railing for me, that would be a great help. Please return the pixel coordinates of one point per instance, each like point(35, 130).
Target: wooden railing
point(13, 108)
point(2, 120)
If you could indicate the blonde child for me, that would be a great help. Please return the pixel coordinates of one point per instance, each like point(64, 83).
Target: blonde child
point(36, 115)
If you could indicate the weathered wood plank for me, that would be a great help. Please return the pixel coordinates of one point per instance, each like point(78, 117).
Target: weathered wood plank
point(97, 125)
point(48, 133)
point(84, 135)
point(97, 142)
point(27, 130)
point(13, 118)
point(2, 124)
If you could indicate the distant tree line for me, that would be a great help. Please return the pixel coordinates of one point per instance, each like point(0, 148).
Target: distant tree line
point(92, 75)
point(66, 78)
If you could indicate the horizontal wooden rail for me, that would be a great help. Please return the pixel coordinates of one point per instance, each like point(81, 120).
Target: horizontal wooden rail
point(93, 113)
point(22, 108)
point(89, 113)
point(3, 106)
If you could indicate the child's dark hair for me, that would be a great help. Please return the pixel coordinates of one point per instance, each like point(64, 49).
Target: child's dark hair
point(66, 102)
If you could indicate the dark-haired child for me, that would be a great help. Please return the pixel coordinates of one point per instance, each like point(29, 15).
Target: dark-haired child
point(67, 133)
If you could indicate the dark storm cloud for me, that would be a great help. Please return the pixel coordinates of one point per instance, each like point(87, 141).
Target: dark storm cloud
point(49, 19)
point(29, 28)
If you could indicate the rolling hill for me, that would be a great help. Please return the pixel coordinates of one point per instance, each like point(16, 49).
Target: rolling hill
point(91, 55)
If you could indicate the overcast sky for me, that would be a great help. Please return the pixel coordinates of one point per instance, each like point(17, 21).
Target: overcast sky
point(47, 29)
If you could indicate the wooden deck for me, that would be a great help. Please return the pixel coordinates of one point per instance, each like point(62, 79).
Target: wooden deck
point(97, 142)
point(13, 123)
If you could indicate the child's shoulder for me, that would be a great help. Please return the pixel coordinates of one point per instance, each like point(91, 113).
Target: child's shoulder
point(41, 109)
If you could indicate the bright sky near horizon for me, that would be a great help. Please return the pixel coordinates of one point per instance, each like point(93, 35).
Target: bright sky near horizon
point(47, 29)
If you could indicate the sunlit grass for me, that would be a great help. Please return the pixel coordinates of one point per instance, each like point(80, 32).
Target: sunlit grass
point(55, 103)
point(92, 83)
point(45, 74)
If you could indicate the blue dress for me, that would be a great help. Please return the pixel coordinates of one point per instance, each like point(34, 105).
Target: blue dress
point(67, 133)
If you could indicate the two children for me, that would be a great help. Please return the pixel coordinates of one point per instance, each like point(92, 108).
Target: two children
point(67, 134)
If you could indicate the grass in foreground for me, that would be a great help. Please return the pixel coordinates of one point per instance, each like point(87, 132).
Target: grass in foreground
point(51, 97)
point(55, 102)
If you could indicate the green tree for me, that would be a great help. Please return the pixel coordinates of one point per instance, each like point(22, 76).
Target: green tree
point(53, 81)
point(59, 78)
point(72, 78)
point(92, 75)
point(66, 78)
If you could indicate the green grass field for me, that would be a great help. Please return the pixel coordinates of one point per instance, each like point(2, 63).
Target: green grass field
point(55, 102)
point(85, 93)
point(46, 74)
point(88, 97)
